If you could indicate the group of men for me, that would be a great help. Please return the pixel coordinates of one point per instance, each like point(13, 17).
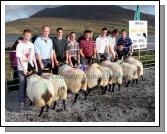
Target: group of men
point(48, 52)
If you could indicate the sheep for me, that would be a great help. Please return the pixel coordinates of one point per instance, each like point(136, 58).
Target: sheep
point(94, 76)
point(129, 71)
point(137, 63)
point(106, 76)
point(40, 91)
point(117, 73)
point(75, 79)
point(60, 88)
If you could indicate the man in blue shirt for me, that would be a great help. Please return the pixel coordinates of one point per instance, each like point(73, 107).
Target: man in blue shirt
point(43, 47)
point(127, 42)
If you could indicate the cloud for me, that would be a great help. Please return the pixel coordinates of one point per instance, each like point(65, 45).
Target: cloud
point(13, 12)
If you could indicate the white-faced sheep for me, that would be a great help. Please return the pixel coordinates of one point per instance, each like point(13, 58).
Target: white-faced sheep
point(117, 73)
point(129, 72)
point(40, 91)
point(75, 79)
point(137, 63)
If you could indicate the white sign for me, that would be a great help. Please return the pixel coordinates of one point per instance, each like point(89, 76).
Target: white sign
point(138, 34)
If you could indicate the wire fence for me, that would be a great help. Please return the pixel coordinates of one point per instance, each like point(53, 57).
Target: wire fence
point(147, 57)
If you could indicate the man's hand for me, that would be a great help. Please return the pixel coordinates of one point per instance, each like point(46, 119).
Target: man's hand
point(25, 72)
point(42, 66)
point(66, 61)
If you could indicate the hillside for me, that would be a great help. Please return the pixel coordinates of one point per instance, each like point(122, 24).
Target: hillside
point(94, 12)
point(78, 18)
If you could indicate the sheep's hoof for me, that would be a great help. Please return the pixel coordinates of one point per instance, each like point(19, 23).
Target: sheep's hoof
point(41, 112)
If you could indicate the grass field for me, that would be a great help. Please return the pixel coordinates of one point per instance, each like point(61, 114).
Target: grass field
point(69, 25)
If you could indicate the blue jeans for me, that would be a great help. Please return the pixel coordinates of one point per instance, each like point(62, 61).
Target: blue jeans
point(22, 86)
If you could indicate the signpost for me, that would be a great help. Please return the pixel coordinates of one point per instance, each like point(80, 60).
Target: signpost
point(138, 32)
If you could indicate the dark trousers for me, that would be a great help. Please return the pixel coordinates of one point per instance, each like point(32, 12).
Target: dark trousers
point(22, 86)
point(74, 61)
point(55, 69)
point(86, 60)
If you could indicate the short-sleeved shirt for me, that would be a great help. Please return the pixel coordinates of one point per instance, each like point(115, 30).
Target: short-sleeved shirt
point(60, 46)
point(43, 47)
point(74, 49)
point(25, 52)
point(101, 44)
point(113, 42)
point(87, 47)
point(127, 43)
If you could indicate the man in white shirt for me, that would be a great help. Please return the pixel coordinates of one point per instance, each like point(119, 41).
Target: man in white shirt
point(113, 44)
point(25, 54)
point(43, 46)
point(102, 44)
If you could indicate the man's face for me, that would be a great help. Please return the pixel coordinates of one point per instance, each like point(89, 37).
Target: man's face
point(116, 34)
point(46, 32)
point(87, 35)
point(123, 34)
point(60, 33)
point(27, 36)
point(73, 36)
point(104, 33)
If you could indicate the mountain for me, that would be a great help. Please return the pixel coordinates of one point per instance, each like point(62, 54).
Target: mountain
point(111, 13)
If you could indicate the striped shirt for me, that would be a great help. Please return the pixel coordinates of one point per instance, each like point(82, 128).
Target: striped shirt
point(74, 49)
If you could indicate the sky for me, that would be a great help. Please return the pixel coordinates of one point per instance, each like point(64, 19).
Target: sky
point(14, 12)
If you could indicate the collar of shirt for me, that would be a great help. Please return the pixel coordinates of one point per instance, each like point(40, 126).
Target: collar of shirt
point(103, 38)
point(46, 39)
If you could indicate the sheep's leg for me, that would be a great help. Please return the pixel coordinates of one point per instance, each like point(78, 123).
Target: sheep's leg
point(106, 87)
point(47, 108)
point(75, 99)
point(142, 77)
point(119, 87)
point(109, 89)
point(64, 104)
point(102, 89)
point(89, 92)
point(85, 94)
point(54, 105)
point(127, 84)
point(136, 81)
point(113, 87)
point(41, 112)
point(133, 81)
